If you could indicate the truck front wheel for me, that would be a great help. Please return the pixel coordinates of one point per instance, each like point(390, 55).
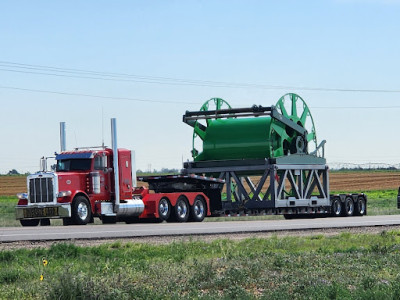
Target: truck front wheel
point(30, 222)
point(81, 211)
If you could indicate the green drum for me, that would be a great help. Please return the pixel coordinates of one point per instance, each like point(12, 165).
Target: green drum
point(252, 137)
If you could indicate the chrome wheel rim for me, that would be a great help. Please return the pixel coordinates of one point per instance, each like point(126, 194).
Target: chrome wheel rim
point(349, 207)
point(82, 211)
point(198, 208)
point(336, 207)
point(182, 209)
point(163, 207)
point(361, 206)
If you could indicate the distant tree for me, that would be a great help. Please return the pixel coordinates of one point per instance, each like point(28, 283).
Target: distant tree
point(13, 172)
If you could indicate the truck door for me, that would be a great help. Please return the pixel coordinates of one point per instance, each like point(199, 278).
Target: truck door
point(125, 173)
point(101, 166)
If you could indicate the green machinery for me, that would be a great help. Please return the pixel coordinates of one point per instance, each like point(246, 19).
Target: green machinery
point(251, 133)
point(268, 157)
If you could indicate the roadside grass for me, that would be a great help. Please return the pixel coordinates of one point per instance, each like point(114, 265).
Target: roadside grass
point(382, 202)
point(344, 266)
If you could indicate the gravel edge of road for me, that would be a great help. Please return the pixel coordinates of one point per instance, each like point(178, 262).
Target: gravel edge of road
point(161, 240)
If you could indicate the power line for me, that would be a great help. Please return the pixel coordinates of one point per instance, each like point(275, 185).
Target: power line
point(109, 76)
point(166, 101)
point(94, 96)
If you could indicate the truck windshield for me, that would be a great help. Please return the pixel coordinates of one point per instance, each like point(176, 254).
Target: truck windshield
point(73, 165)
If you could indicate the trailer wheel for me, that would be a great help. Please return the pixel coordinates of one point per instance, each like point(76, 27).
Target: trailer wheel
point(360, 207)
point(164, 209)
point(81, 211)
point(30, 223)
point(336, 207)
point(181, 210)
point(348, 207)
point(198, 210)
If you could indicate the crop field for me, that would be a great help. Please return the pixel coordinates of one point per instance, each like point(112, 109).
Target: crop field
point(11, 185)
point(364, 180)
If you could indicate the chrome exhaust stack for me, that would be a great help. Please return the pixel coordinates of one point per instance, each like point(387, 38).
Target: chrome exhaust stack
point(129, 207)
point(63, 139)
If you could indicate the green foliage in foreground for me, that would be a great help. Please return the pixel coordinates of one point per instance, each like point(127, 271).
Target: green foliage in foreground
point(345, 266)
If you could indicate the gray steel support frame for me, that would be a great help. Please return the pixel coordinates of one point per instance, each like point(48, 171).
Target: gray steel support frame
point(272, 188)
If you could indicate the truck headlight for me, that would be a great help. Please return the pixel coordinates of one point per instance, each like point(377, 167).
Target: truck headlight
point(22, 195)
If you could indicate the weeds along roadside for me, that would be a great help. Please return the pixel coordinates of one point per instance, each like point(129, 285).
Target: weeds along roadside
point(351, 266)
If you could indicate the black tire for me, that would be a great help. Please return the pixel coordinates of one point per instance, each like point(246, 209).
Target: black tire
point(348, 206)
point(198, 210)
point(132, 220)
point(109, 219)
point(181, 210)
point(288, 217)
point(336, 208)
point(29, 223)
point(67, 221)
point(45, 222)
point(164, 209)
point(360, 208)
point(81, 211)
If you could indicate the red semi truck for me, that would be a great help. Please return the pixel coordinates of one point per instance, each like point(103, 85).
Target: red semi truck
point(98, 182)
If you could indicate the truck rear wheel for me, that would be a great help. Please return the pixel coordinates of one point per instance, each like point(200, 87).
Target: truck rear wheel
point(164, 209)
point(181, 210)
point(348, 207)
point(81, 211)
point(30, 223)
point(198, 210)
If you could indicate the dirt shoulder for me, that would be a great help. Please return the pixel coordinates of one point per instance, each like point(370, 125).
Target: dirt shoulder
point(160, 240)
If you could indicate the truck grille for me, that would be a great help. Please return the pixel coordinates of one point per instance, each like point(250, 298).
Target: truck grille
point(41, 190)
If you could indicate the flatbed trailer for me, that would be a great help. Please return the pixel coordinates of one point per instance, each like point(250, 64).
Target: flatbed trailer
point(293, 187)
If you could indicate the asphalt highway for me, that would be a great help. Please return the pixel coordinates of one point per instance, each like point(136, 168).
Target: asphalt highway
point(120, 230)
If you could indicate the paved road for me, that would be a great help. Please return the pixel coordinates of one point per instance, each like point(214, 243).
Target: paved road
point(12, 234)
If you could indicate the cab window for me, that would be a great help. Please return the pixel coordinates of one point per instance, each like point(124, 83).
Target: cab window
point(100, 162)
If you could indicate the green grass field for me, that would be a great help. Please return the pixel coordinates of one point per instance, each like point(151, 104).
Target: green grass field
point(346, 266)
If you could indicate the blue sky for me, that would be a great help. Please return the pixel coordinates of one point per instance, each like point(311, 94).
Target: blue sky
point(319, 44)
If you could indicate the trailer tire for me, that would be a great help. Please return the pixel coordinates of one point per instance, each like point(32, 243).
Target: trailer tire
point(198, 210)
point(164, 209)
point(360, 208)
point(29, 223)
point(348, 207)
point(81, 211)
point(336, 207)
point(288, 216)
point(181, 210)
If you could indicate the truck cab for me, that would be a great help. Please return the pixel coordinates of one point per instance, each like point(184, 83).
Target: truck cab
point(82, 181)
